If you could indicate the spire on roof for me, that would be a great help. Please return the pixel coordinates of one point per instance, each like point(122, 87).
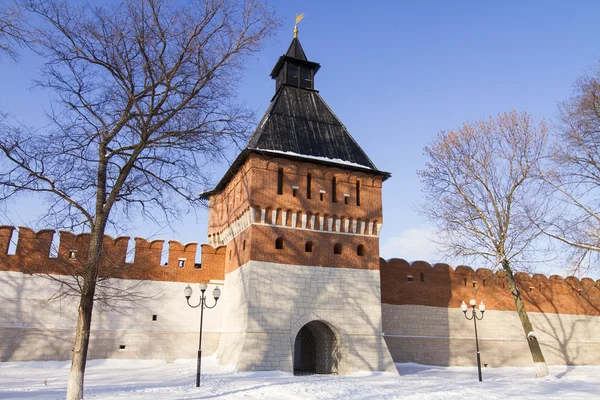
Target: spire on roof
point(295, 50)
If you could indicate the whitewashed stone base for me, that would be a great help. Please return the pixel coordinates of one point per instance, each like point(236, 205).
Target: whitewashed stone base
point(266, 304)
point(34, 327)
point(442, 336)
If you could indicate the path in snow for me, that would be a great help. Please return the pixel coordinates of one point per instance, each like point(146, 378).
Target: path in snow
point(143, 379)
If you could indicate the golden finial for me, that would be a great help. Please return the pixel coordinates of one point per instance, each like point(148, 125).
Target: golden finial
point(298, 19)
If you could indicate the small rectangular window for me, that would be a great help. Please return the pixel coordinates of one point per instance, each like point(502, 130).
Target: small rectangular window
point(122, 347)
point(292, 75)
point(358, 193)
point(306, 81)
point(154, 317)
point(333, 189)
point(72, 254)
point(280, 181)
point(181, 263)
point(308, 185)
point(410, 279)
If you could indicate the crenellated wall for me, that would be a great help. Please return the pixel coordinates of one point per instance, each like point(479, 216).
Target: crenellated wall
point(423, 323)
point(33, 249)
point(441, 285)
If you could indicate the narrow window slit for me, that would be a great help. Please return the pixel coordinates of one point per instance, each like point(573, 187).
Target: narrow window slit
point(280, 181)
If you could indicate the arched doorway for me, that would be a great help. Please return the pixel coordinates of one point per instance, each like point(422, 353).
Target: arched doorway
point(316, 350)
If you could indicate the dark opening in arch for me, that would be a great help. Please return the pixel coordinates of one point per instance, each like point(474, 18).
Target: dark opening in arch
point(308, 247)
point(316, 350)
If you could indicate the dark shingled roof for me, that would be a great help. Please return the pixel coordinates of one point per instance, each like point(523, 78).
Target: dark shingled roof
point(295, 50)
point(298, 121)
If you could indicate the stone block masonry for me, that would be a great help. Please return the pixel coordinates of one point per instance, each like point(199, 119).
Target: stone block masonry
point(157, 324)
point(268, 303)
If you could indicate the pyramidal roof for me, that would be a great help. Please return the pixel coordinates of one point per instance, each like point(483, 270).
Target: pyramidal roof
point(295, 50)
point(299, 125)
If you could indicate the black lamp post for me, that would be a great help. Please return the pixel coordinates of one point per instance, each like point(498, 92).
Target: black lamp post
point(202, 304)
point(474, 317)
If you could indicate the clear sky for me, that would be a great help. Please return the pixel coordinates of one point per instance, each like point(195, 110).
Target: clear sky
point(396, 73)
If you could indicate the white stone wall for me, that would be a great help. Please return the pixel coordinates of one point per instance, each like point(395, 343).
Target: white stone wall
point(442, 336)
point(34, 327)
point(266, 304)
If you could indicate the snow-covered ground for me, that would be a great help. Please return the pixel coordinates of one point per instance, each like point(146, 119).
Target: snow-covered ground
point(137, 379)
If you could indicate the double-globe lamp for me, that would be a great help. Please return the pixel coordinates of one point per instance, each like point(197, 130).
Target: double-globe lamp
point(474, 317)
point(187, 292)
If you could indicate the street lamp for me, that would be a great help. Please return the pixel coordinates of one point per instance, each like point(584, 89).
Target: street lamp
point(187, 292)
point(474, 317)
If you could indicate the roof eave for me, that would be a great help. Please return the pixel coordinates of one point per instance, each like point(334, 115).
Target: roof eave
point(285, 58)
point(243, 156)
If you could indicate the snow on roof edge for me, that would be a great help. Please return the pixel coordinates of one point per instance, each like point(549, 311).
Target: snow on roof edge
point(318, 158)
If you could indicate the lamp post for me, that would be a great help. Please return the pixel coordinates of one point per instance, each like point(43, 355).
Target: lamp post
point(474, 317)
point(202, 304)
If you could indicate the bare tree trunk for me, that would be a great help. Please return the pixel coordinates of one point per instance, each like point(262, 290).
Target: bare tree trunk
point(541, 368)
point(84, 319)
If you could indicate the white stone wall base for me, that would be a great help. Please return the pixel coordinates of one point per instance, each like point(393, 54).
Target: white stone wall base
point(442, 336)
point(266, 304)
point(30, 344)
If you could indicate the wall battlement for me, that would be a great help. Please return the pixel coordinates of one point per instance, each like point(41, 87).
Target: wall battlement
point(33, 249)
point(440, 285)
point(402, 283)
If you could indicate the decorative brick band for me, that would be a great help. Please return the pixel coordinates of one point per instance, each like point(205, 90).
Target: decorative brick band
point(295, 220)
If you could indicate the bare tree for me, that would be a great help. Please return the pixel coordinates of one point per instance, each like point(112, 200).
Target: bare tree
point(573, 177)
point(479, 190)
point(145, 101)
point(11, 28)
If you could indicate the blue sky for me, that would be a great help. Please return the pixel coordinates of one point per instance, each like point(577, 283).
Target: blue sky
point(396, 73)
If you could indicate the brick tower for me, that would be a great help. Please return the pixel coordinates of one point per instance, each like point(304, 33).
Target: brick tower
point(299, 213)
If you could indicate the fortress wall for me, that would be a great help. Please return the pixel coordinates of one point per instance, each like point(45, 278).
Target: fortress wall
point(33, 326)
point(32, 256)
point(37, 323)
point(422, 320)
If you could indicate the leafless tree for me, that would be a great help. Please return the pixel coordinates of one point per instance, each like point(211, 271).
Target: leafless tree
point(145, 101)
point(479, 190)
point(573, 177)
point(11, 28)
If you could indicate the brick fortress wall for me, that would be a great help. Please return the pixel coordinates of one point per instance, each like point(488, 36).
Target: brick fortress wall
point(32, 256)
point(153, 321)
point(422, 320)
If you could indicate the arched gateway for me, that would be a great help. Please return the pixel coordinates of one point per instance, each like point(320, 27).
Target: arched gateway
point(316, 350)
